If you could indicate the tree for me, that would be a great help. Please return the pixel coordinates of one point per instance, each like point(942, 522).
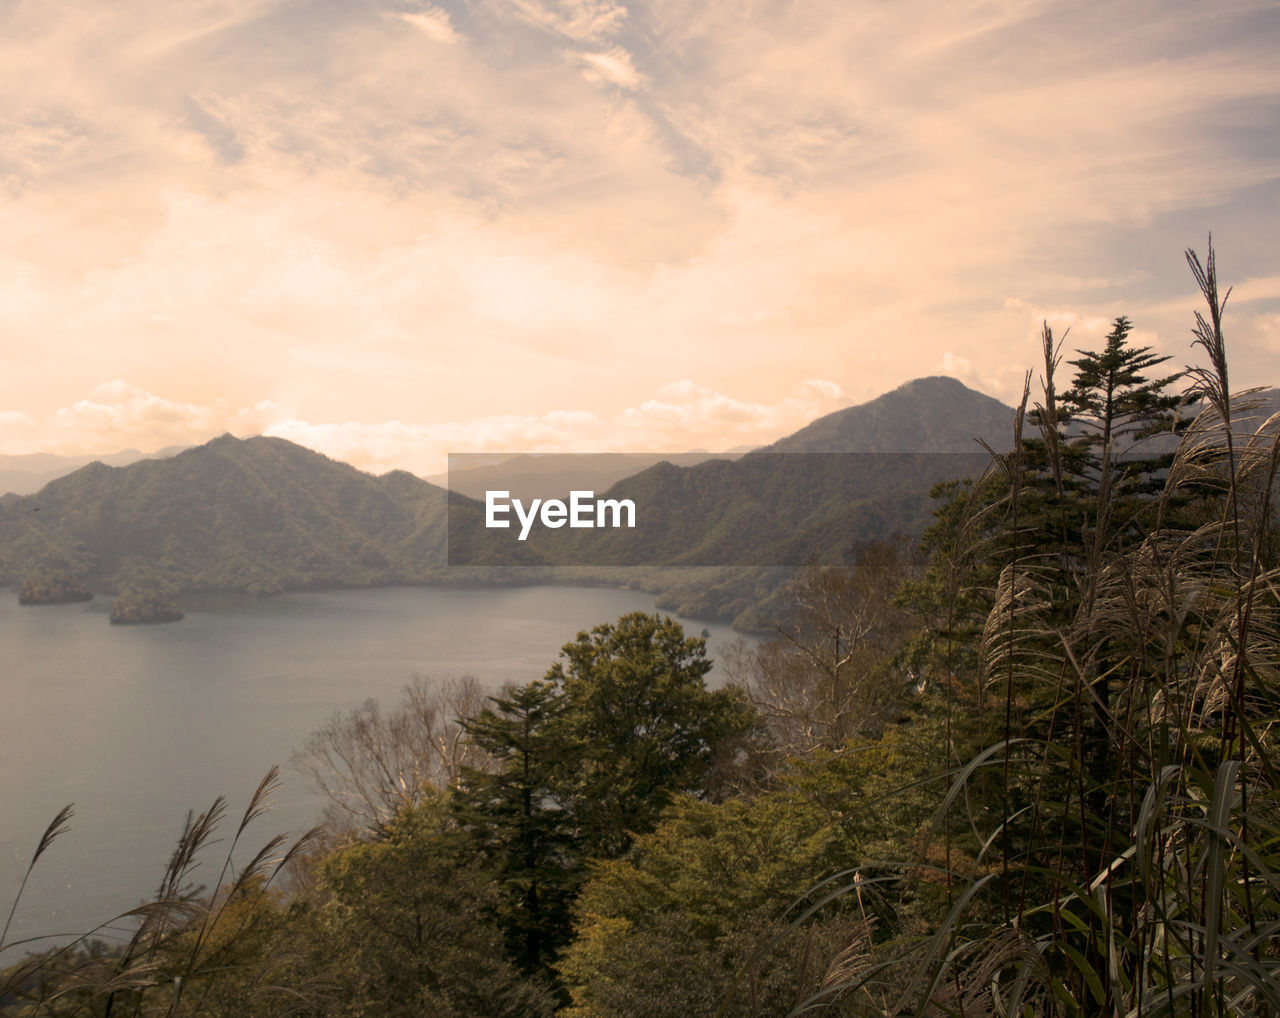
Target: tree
point(688, 923)
point(582, 762)
point(371, 764)
point(1087, 465)
point(518, 822)
point(1104, 448)
point(641, 724)
point(719, 909)
point(1117, 408)
point(830, 672)
point(406, 929)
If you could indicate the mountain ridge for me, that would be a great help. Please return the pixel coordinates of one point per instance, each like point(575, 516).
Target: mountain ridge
point(27, 473)
point(263, 515)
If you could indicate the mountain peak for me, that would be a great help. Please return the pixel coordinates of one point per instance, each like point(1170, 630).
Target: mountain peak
point(931, 385)
point(932, 414)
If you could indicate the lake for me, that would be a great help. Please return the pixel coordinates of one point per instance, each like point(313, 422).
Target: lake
point(139, 724)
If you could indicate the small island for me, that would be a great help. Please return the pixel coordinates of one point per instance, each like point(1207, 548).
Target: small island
point(46, 587)
point(139, 607)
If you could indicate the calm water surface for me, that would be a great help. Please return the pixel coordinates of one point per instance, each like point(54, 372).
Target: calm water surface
point(138, 724)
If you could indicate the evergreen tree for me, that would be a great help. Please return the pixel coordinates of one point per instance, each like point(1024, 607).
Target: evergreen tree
point(1087, 464)
point(1079, 489)
point(518, 822)
point(1095, 457)
point(1116, 409)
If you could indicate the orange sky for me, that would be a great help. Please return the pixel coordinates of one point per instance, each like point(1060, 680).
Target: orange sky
point(393, 230)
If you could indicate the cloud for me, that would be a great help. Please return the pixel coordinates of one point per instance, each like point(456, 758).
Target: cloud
point(216, 132)
point(1265, 288)
point(428, 214)
point(117, 415)
point(432, 21)
point(956, 367)
point(19, 432)
point(578, 20)
point(685, 415)
point(613, 67)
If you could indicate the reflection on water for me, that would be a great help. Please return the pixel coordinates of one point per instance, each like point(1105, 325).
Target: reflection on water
point(137, 725)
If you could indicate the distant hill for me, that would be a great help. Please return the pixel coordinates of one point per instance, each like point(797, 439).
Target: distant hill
point(720, 537)
point(551, 476)
point(29, 472)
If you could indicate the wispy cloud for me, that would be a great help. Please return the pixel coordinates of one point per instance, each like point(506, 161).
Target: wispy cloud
point(612, 67)
point(432, 21)
point(218, 134)
point(117, 415)
point(578, 20)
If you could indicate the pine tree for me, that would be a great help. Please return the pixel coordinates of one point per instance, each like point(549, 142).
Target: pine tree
point(1117, 410)
point(1097, 457)
point(517, 822)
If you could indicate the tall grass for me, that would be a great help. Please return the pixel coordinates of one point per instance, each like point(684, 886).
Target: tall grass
point(1121, 835)
point(185, 941)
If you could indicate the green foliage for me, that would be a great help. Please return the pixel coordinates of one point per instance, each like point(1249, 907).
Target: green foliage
point(706, 888)
point(699, 913)
point(405, 929)
point(639, 724)
point(50, 586)
point(583, 761)
point(518, 819)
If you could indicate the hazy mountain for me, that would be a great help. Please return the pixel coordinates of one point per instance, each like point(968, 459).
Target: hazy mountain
point(553, 475)
point(258, 515)
point(29, 472)
point(717, 539)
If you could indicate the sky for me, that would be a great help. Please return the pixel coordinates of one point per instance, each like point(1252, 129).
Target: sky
point(393, 230)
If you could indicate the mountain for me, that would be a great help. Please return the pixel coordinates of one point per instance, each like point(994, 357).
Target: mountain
point(718, 539)
point(259, 515)
point(935, 415)
point(861, 474)
point(28, 473)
